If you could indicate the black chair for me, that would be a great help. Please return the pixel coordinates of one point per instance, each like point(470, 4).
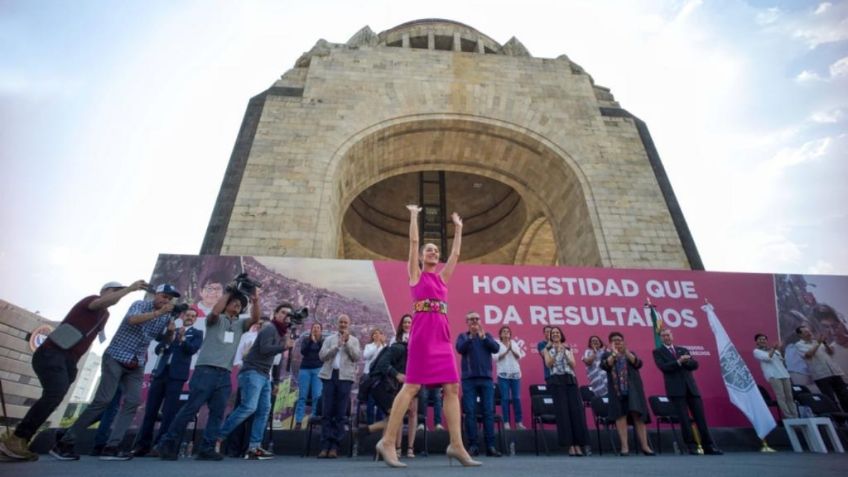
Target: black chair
point(422, 417)
point(539, 390)
point(798, 390)
point(317, 419)
point(600, 410)
point(497, 417)
point(823, 406)
point(664, 413)
point(586, 394)
point(542, 412)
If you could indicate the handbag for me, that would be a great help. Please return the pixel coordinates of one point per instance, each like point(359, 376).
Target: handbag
point(65, 336)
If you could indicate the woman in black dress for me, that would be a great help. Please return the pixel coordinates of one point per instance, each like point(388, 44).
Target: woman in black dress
point(625, 392)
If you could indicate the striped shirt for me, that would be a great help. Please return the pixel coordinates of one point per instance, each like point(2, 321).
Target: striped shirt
point(131, 341)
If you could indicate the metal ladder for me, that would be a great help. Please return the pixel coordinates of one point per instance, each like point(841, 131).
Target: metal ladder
point(433, 224)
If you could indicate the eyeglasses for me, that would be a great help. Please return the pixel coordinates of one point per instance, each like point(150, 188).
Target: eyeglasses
point(472, 319)
point(213, 288)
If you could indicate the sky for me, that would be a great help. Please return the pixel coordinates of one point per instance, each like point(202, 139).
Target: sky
point(117, 119)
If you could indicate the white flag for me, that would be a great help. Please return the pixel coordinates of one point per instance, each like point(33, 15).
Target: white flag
point(738, 380)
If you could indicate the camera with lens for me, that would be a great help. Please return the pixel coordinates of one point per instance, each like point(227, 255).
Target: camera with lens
point(243, 286)
point(180, 308)
point(297, 317)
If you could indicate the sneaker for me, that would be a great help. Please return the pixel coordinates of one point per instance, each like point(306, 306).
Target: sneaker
point(113, 453)
point(420, 427)
point(209, 454)
point(440, 427)
point(16, 447)
point(506, 426)
point(520, 427)
point(62, 451)
point(258, 454)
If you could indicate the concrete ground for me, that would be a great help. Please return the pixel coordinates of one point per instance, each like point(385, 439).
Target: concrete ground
point(742, 464)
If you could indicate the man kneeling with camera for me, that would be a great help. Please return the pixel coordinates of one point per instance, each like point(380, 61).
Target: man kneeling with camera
point(210, 382)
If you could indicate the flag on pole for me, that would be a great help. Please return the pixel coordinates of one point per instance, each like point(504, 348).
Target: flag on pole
point(656, 323)
point(738, 379)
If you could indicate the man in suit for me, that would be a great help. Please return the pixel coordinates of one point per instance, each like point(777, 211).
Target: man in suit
point(677, 365)
point(175, 351)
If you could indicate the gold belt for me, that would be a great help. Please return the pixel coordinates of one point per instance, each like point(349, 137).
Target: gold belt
point(431, 305)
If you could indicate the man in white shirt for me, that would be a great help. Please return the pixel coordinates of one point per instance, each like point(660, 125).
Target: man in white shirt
point(826, 373)
point(771, 362)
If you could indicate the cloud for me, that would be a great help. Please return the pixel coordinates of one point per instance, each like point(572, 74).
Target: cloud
point(821, 267)
point(808, 76)
point(828, 117)
point(823, 7)
point(839, 68)
point(809, 151)
point(768, 16)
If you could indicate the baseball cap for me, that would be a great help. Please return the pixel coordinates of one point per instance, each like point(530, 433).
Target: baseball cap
point(109, 285)
point(167, 289)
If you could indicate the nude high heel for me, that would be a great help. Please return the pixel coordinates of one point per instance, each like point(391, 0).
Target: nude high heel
point(389, 457)
point(466, 460)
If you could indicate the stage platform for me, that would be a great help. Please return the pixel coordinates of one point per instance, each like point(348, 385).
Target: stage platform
point(742, 464)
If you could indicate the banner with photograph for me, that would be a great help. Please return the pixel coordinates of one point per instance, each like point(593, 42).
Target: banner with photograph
point(583, 302)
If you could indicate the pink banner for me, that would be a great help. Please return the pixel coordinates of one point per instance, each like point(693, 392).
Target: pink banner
point(594, 301)
point(582, 301)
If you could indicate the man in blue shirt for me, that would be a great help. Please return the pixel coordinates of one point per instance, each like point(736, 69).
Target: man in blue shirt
point(123, 365)
point(476, 347)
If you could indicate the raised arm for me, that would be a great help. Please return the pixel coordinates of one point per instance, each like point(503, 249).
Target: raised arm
point(112, 298)
point(412, 263)
point(457, 243)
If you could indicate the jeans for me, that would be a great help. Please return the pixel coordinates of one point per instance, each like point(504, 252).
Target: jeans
point(335, 405)
point(209, 385)
point(106, 420)
point(372, 412)
point(56, 370)
point(307, 382)
point(113, 375)
point(510, 392)
point(164, 393)
point(255, 393)
point(424, 397)
point(472, 390)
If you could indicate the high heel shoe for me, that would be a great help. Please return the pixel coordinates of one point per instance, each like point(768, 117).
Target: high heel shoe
point(389, 457)
point(648, 453)
point(465, 460)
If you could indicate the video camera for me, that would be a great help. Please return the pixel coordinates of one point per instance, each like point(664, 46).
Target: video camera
point(242, 286)
point(297, 317)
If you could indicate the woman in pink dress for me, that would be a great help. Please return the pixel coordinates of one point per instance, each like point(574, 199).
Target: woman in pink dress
point(430, 355)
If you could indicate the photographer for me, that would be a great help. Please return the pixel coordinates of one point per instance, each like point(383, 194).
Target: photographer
point(176, 347)
point(123, 365)
point(254, 382)
point(56, 364)
point(210, 382)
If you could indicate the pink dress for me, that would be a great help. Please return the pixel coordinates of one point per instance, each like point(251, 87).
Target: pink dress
point(430, 357)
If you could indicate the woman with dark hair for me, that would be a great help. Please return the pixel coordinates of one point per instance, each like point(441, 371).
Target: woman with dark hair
point(626, 394)
point(308, 382)
point(592, 360)
point(430, 359)
point(387, 374)
point(509, 375)
point(570, 416)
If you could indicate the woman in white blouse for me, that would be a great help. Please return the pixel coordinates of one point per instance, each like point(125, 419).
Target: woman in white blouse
point(592, 360)
point(372, 349)
point(509, 376)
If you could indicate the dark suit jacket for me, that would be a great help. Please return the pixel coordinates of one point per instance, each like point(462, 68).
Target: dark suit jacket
point(180, 354)
point(678, 378)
